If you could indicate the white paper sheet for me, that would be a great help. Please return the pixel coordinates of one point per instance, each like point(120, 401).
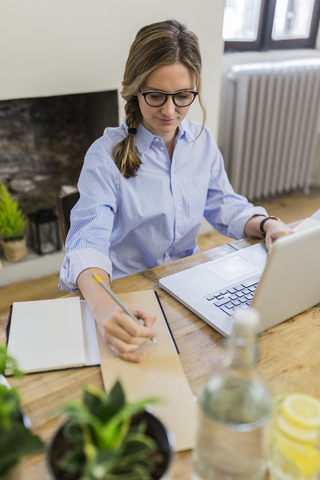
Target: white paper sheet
point(47, 334)
point(90, 336)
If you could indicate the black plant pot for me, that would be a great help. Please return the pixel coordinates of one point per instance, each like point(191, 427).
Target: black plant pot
point(155, 429)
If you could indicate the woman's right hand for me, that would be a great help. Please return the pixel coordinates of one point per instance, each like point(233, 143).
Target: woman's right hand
point(121, 333)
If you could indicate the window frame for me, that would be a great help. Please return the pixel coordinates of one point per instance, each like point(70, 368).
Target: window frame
point(264, 40)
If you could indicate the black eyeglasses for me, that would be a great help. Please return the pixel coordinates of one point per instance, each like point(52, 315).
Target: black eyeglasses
point(184, 98)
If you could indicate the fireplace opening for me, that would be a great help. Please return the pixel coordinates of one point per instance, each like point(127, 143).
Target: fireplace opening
point(43, 142)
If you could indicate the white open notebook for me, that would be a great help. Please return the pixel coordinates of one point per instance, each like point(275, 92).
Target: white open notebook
point(52, 335)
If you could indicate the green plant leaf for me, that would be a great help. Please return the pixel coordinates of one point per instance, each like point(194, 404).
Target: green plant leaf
point(9, 407)
point(15, 439)
point(137, 451)
point(19, 440)
point(15, 443)
point(138, 471)
point(79, 413)
point(139, 443)
point(12, 221)
point(110, 465)
point(111, 434)
point(93, 400)
point(8, 363)
point(116, 396)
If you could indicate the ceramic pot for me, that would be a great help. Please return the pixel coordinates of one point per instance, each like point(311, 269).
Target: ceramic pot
point(155, 429)
point(14, 250)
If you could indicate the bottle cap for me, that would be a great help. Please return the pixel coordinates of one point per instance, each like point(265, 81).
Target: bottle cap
point(249, 317)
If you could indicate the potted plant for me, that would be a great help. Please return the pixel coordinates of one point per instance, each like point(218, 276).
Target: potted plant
point(12, 223)
point(16, 438)
point(106, 438)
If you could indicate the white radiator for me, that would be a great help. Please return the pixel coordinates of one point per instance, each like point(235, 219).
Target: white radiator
point(269, 125)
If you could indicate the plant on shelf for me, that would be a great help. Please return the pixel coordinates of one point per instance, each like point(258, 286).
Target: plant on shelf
point(12, 224)
point(16, 439)
point(12, 221)
point(105, 437)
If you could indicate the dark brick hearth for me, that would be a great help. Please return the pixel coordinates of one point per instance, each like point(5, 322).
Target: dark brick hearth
point(43, 142)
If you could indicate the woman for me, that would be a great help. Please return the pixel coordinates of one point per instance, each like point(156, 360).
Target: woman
point(146, 185)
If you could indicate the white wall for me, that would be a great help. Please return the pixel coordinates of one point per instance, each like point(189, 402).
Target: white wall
point(54, 47)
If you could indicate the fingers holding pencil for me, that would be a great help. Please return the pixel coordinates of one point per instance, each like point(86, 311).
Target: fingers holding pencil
point(123, 336)
point(131, 333)
point(118, 326)
point(120, 333)
point(139, 313)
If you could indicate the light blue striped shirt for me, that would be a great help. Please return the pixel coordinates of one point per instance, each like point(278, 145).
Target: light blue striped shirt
point(127, 225)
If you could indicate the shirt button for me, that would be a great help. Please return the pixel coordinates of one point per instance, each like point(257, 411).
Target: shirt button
point(179, 207)
point(157, 139)
point(178, 235)
point(161, 148)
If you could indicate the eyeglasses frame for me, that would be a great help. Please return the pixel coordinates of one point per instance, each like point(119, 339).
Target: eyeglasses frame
point(167, 94)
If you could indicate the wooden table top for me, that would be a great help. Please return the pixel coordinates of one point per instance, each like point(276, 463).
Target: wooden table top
point(289, 359)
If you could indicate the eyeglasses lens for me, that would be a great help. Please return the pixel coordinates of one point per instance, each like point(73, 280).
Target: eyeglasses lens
point(157, 99)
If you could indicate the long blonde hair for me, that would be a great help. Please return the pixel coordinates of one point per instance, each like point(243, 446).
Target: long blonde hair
point(156, 45)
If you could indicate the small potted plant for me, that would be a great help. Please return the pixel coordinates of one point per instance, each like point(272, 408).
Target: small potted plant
point(106, 438)
point(12, 223)
point(16, 438)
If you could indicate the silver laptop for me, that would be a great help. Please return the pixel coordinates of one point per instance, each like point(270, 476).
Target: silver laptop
point(279, 286)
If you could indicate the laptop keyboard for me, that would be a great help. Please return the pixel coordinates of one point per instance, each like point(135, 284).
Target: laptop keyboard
point(235, 298)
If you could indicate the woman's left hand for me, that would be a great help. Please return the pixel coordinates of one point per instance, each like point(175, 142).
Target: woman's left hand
point(275, 229)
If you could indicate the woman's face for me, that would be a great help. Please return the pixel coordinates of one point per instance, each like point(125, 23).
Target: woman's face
point(163, 121)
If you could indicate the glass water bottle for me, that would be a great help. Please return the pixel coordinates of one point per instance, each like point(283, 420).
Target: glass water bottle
point(234, 411)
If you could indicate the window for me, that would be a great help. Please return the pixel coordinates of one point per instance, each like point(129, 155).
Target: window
point(270, 24)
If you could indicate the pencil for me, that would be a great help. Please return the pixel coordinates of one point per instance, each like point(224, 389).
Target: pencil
point(118, 301)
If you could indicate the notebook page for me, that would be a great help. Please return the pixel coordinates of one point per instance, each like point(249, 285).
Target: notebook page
point(89, 336)
point(47, 334)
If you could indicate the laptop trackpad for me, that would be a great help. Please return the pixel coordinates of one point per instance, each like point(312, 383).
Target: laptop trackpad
point(233, 268)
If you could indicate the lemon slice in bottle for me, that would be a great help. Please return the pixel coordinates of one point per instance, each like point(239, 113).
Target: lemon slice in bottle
point(302, 409)
point(302, 463)
point(303, 434)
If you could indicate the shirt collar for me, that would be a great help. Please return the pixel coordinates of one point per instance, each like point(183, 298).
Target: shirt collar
point(144, 138)
point(184, 131)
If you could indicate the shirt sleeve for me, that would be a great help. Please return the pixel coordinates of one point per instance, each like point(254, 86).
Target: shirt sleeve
point(225, 210)
point(88, 240)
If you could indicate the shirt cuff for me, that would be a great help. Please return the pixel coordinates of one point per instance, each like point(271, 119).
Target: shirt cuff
point(76, 262)
point(236, 227)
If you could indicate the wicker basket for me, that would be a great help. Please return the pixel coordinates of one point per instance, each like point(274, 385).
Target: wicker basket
point(14, 250)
